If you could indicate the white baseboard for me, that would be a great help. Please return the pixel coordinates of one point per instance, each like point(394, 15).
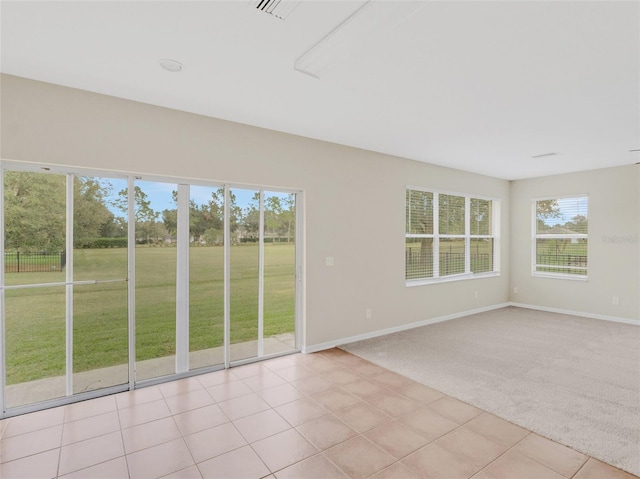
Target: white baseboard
point(381, 332)
point(602, 317)
point(374, 334)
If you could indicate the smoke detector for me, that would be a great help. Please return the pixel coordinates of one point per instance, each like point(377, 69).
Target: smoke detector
point(172, 66)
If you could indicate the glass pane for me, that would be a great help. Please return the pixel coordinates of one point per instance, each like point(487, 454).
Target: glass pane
point(480, 211)
point(244, 226)
point(562, 216)
point(451, 256)
point(567, 256)
point(99, 228)
point(419, 214)
point(279, 272)
point(35, 227)
point(451, 211)
point(155, 279)
point(481, 255)
point(35, 344)
point(419, 258)
point(206, 277)
point(100, 336)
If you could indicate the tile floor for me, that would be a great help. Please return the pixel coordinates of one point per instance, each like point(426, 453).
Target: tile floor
point(325, 415)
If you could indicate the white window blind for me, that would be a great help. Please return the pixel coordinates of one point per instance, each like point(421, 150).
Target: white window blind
point(420, 211)
point(561, 236)
point(448, 236)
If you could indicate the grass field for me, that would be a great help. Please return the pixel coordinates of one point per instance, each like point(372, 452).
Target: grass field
point(561, 256)
point(35, 317)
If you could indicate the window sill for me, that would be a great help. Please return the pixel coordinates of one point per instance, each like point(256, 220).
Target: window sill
point(410, 283)
point(570, 277)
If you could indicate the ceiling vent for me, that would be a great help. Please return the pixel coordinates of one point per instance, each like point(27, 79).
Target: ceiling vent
point(546, 155)
point(278, 8)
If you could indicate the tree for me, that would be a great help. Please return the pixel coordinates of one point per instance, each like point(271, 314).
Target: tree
point(251, 217)
point(216, 210)
point(170, 221)
point(480, 212)
point(90, 213)
point(289, 214)
point(451, 210)
point(115, 228)
point(214, 236)
point(546, 210)
point(34, 211)
point(273, 215)
point(142, 207)
point(578, 224)
point(145, 216)
point(419, 218)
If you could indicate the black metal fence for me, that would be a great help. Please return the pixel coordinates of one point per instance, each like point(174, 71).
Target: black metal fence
point(17, 262)
point(562, 260)
point(450, 263)
point(561, 263)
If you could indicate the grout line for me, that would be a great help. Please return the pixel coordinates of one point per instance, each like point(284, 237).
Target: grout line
point(333, 358)
point(581, 467)
point(509, 449)
point(59, 458)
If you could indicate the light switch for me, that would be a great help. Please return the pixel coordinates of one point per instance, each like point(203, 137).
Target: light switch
point(329, 261)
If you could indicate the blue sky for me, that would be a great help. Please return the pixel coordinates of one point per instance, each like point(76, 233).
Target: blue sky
point(569, 208)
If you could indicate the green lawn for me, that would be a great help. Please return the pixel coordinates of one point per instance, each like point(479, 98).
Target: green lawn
point(35, 317)
point(561, 256)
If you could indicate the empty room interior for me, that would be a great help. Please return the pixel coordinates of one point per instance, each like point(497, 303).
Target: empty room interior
point(320, 239)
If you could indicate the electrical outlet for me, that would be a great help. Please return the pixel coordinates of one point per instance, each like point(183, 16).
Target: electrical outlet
point(475, 295)
point(368, 313)
point(615, 301)
point(515, 290)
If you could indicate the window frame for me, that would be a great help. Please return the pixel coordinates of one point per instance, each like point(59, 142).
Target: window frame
point(436, 236)
point(535, 236)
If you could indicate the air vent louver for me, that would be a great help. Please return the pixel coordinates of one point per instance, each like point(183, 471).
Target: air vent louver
point(278, 8)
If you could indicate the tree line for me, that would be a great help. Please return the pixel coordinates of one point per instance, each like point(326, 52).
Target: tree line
point(35, 215)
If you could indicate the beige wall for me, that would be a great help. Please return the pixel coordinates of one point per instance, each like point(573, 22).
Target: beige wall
point(613, 248)
point(354, 199)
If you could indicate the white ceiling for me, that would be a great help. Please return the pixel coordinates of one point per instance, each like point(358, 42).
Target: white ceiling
point(479, 86)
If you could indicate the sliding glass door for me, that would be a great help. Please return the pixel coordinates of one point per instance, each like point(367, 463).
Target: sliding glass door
point(244, 213)
point(263, 273)
point(99, 270)
point(108, 282)
point(279, 272)
point(155, 279)
point(64, 287)
point(206, 276)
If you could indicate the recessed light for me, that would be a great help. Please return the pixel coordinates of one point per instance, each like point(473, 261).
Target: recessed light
point(171, 65)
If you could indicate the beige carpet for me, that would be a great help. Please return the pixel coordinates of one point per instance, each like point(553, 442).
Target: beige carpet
point(574, 380)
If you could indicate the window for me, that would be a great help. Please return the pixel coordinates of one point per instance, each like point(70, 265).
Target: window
point(449, 236)
point(561, 235)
